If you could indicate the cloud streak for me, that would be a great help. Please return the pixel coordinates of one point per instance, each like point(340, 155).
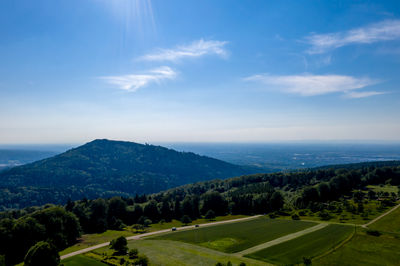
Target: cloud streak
point(312, 85)
point(136, 81)
point(387, 30)
point(193, 50)
point(363, 94)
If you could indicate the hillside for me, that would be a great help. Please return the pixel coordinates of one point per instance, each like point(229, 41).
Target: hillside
point(104, 168)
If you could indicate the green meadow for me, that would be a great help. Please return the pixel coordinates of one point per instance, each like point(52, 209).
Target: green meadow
point(309, 245)
point(238, 236)
point(388, 223)
point(365, 250)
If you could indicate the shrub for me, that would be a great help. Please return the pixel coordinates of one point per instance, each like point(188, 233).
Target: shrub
point(147, 222)
point(120, 245)
point(302, 213)
point(373, 232)
point(210, 215)
point(133, 253)
point(307, 261)
point(295, 216)
point(272, 215)
point(142, 260)
point(324, 215)
point(186, 220)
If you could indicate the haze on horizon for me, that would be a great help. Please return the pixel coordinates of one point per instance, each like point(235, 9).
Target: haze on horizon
point(210, 71)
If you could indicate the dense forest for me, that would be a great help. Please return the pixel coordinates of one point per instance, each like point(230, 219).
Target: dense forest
point(252, 194)
point(104, 168)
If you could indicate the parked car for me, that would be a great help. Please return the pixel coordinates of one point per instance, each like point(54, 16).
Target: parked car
point(197, 225)
point(173, 229)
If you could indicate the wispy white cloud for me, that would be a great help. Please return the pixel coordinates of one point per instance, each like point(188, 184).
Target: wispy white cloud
point(135, 81)
point(363, 94)
point(311, 85)
point(386, 30)
point(195, 49)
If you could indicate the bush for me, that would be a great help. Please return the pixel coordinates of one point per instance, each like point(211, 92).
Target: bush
point(242, 264)
point(307, 261)
point(186, 220)
point(42, 253)
point(373, 232)
point(120, 245)
point(147, 222)
point(295, 216)
point(142, 260)
point(324, 215)
point(272, 215)
point(302, 213)
point(210, 215)
point(133, 253)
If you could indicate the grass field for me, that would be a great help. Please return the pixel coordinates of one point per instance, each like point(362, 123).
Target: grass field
point(95, 239)
point(389, 223)
point(365, 250)
point(80, 260)
point(165, 252)
point(238, 236)
point(309, 245)
point(385, 188)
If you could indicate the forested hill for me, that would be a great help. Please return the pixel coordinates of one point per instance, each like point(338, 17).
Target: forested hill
point(104, 168)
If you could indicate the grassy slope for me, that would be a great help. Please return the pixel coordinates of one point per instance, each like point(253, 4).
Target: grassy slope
point(389, 223)
point(80, 260)
point(95, 239)
point(385, 188)
point(309, 245)
point(164, 252)
point(238, 236)
point(365, 250)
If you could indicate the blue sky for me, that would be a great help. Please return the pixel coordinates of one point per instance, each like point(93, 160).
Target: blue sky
point(199, 71)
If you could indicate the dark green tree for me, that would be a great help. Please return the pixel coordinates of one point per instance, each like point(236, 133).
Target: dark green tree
point(214, 201)
point(120, 245)
point(276, 201)
point(186, 219)
point(42, 254)
point(210, 215)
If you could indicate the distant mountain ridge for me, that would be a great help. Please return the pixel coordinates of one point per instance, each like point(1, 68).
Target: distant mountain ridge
point(103, 168)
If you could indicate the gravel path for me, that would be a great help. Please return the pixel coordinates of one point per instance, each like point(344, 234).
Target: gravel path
point(281, 239)
point(380, 216)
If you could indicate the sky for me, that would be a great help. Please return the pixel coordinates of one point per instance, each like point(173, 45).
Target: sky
point(199, 71)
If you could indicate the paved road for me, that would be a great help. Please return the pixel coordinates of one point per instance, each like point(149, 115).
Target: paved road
point(380, 216)
point(136, 237)
point(281, 239)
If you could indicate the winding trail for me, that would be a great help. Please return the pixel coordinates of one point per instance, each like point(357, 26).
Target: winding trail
point(136, 237)
point(380, 216)
point(281, 239)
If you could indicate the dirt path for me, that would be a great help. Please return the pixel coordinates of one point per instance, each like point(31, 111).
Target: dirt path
point(380, 216)
point(136, 237)
point(281, 239)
